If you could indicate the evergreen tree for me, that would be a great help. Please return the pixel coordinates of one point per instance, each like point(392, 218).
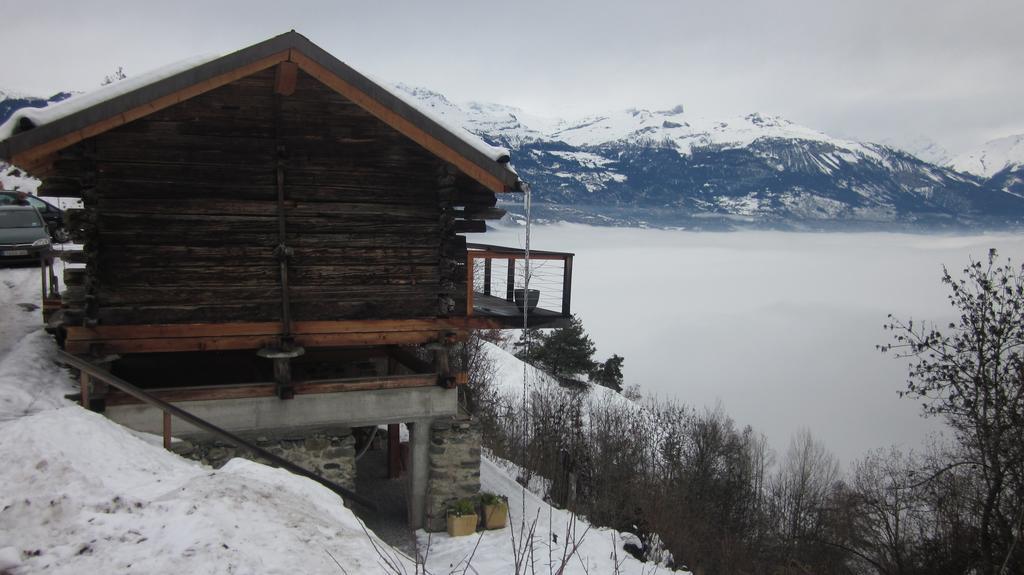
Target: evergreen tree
point(609, 373)
point(565, 352)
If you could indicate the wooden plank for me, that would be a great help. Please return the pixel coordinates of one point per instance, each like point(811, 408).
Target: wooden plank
point(171, 344)
point(399, 123)
point(469, 226)
point(165, 345)
point(252, 328)
point(212, 393)
point(33, 155)
point(366, 384)
point(284, 78)
point(518, 255)
point(255, 390)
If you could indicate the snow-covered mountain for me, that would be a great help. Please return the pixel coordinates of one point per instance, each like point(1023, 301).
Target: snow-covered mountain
point(993, 157)
point(923, 147)
point(673, 168)
point(1001, 161)
point(11, 101)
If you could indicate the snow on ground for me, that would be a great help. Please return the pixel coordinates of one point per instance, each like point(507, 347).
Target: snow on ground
point(557, 533)
point(510, 373)
point(85, 495)
point(558, 538)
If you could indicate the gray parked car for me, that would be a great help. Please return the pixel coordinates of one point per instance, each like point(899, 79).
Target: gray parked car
point(53, 215)
point(23, 235)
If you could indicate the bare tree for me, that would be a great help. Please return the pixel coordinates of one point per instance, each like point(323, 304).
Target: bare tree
point(971, 373)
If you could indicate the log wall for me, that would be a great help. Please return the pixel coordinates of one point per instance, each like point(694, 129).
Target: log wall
point(180, 219)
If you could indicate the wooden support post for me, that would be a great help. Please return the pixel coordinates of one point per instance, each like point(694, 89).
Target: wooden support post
point(83, 382)
point(566, 285)
point(42, 277)
point(419, 445)
point(283, 377)
point(469, 284)
point(54, 283)
point(167, 431)
point(445, 378)
point(394, 452)
point(511, 285)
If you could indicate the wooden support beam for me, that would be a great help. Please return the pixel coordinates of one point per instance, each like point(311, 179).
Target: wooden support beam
point(285, 77)
point(119, 339)
point(254, 390)
point(480, 213)
point(167, 431)
point(409, 360)
point(469, 226)
point(469, 287)
point(394, 452)
point(193, 330)
point(445, 378)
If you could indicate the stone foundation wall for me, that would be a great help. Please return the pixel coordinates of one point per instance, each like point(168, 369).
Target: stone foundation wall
point(326, 452)
point(454, 467)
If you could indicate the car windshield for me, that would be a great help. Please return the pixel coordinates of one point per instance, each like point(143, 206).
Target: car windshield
point(19, 219)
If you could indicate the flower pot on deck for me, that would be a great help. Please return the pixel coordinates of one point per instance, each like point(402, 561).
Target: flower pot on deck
point(527, 299)
point(459, 525)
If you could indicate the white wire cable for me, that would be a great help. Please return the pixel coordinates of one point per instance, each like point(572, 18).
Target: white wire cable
point(526, 337)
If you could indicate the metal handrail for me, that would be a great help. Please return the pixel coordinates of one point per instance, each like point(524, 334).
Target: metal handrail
point(489, 252)
point(170, 409)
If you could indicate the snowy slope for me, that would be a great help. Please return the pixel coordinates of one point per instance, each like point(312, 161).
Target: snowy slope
point(559, 538)
point(85, 495)
point(995, 156)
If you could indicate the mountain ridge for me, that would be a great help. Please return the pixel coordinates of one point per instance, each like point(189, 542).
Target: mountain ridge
point(671, 168)
point(674, 169)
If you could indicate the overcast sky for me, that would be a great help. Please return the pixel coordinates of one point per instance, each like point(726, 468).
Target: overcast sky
point(894, 70)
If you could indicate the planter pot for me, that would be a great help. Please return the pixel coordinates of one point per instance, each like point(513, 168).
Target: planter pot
point(459, 525)
point(495, 516)
point(528, 299)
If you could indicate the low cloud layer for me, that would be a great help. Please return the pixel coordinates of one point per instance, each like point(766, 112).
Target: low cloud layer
point(779, 327)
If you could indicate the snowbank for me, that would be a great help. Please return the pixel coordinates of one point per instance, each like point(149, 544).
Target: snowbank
point(88, 496)
point(85, 495)
point(558, 537)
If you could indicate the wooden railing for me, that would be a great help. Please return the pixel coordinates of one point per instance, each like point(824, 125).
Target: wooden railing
point(90, 371)
point(484, 255)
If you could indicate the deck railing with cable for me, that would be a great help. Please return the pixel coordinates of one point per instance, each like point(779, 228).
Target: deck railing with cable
point(495, 276)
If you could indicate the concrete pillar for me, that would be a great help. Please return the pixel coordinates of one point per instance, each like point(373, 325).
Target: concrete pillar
point(419, 470)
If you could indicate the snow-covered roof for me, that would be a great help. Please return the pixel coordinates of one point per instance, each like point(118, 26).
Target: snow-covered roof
point(35, 132)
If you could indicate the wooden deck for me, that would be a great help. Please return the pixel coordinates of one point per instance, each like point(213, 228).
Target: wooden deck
point(509, 314)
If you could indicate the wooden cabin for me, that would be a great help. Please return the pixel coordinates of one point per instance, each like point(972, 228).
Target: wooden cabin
point(273, 225)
